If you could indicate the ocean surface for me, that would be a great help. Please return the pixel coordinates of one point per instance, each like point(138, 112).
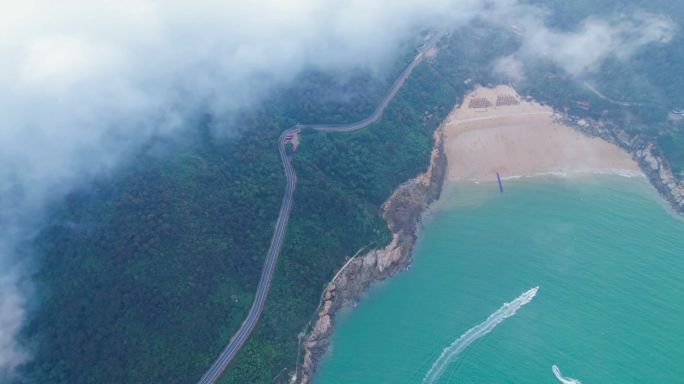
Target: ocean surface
point(606, 253)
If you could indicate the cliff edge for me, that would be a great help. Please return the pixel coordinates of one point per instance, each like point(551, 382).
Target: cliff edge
point(654, 166)
point(402, 211)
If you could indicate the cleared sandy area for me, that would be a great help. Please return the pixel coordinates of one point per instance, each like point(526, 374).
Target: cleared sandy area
point(521, 139)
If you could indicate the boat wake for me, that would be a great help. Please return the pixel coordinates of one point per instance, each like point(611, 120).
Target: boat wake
point(450, 352)
point(564, 380)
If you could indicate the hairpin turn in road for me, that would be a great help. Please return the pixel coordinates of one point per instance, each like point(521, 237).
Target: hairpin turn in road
point(264, 283)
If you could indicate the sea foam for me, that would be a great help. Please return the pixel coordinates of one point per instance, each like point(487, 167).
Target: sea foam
point(450, 352)
point(564, 380)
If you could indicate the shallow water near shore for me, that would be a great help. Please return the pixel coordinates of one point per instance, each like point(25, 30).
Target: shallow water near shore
point(605, 252)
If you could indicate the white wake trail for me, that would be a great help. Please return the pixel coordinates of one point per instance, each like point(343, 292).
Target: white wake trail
point(564, 380)
point(450, 352)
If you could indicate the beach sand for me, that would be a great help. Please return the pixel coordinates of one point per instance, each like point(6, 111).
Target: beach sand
point(519, 140)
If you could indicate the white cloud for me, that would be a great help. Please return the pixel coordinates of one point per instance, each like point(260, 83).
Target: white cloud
point(510, 68)
point(584, 50)
point(83, 84)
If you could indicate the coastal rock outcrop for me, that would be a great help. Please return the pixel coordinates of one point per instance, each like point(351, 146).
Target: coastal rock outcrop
point(654, 166)
point(402, 211)
point(662, 178)
point(404, 208)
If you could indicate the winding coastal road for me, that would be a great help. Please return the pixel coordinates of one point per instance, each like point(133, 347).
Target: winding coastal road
point(604, 97)
point(264, 283)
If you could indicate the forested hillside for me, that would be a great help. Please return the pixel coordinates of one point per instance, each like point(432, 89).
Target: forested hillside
point(651, 79)
point(146, 276)
point(653, 76)
point(342, 179)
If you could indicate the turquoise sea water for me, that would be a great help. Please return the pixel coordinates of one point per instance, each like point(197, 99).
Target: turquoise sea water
point(608, 258)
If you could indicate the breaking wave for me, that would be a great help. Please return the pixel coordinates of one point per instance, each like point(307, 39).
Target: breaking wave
point(450, 352)
point(564, 380)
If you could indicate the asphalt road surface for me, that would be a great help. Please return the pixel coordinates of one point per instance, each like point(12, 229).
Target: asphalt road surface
point(601, 95)
point(264, 283)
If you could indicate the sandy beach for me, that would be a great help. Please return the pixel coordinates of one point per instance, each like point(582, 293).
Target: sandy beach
point(519, 138)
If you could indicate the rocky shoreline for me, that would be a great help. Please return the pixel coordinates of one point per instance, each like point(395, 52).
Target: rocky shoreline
point(643, 150)
point(404, 208)
point(402, 211)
